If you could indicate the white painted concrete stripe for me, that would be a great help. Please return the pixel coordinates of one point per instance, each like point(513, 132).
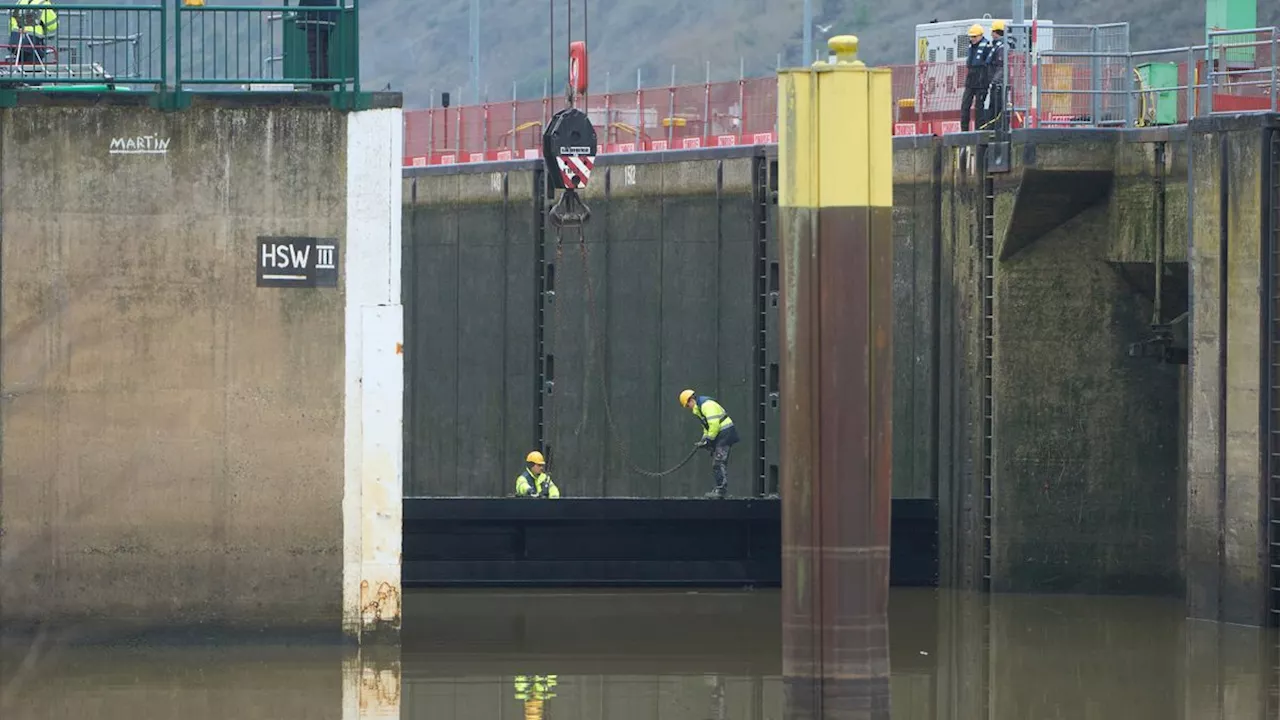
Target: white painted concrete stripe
point(371, 504)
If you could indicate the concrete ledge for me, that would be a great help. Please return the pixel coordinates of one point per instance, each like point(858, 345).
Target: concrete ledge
point(1165, 133)
point(1067, 135)
point(1240, 121)
point(913, 142)
point(969, 139)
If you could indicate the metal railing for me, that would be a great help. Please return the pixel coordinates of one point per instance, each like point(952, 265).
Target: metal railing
point(83, 46)
point(231, 46)
point(1068, 86)
point(168, 44)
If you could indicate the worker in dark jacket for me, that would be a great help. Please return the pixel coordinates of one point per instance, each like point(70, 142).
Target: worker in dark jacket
point(718, 435)
point(318, 24)
point(997, 63)
point(976, 79)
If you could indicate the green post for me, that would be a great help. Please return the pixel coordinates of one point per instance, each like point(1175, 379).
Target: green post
point(343, 64)
point(1232, 15)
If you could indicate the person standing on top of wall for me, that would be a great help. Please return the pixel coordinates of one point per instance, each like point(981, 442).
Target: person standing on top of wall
point(996, 100)
point(976, 80)
point(718, 434)
point(318, 25)
point(533, 482)
point(32, 27)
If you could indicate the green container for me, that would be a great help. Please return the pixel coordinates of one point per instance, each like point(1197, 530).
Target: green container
point(1155, 76)
point(343, 63)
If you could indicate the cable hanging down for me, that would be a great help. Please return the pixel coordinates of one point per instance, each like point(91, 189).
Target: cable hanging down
point(569, 147)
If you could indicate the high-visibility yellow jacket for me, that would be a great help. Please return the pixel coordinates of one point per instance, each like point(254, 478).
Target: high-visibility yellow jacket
point(535, 687)
point(46, 25)
point(529, 486)
point(713, 416)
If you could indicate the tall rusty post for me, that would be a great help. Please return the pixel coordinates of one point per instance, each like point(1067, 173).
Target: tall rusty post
point(835, 151)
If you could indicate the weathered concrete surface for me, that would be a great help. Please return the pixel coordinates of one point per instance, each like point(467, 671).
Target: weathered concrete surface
point(1227, 573)
point(1086, 463)
point(960, 529)
point(173, 442)
point(1089, 470)
point(917, 190)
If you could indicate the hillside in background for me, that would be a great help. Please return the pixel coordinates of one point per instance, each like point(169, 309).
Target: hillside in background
point(421, 46)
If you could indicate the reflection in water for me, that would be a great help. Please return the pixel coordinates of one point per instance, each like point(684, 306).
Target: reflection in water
point(671, 656)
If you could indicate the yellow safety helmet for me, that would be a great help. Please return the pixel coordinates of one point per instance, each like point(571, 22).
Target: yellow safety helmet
point(975, 30)
point(684, 397)
point(535, 458)
point(997, 25)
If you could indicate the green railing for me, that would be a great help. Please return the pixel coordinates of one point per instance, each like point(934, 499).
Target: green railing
point(169, 46)
point(237, 45)
point(84, 46)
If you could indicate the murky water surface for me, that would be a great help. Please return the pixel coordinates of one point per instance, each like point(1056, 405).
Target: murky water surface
point(671, 656)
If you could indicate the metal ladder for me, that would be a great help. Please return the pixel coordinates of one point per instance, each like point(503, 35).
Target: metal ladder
point(1272, 261)
point(761, 218)
point(546, 295)
point(988, 333)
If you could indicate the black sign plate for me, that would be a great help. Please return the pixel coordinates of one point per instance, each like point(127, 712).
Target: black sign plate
point(304, 262)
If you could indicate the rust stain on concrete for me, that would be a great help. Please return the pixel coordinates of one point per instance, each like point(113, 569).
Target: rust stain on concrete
point(381, 606)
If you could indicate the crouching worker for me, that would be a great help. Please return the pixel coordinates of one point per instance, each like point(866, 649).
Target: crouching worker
point(718, 435)
point(534, 482)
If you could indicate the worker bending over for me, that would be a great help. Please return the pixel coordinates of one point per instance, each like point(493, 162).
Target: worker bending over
point(533, 482)
point(718, 435)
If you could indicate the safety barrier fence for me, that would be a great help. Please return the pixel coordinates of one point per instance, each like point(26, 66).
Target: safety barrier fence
point(233, 46)
point(169, 44)
point(1234, 72)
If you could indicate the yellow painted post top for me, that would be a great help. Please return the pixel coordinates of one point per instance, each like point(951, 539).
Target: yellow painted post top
point(835, 132)
point(193, 3)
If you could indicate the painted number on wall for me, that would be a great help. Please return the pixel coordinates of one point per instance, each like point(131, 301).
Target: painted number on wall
point(297, 262)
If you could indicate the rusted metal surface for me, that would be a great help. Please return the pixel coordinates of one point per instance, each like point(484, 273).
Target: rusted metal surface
point(836, 391)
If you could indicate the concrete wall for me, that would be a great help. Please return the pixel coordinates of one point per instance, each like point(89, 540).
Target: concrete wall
point(173, 435)
point(1090, 457)
point(1232, 202)
point(960, 529)
point(917, 259)
point(1086, 450)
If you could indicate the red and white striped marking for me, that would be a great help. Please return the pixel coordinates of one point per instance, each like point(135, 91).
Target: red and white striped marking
point(575, 170)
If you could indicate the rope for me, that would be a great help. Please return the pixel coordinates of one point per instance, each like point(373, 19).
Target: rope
point(604, 390)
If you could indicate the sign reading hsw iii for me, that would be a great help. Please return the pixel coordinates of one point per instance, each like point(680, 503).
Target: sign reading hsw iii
point(297, 262)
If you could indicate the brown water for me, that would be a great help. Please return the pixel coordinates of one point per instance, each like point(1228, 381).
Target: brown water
point(673, 656)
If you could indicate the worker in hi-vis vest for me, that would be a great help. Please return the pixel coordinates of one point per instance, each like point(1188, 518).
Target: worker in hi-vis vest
point(718, 435)
point(534, 482)
point(32, 29)
point(535, 691)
